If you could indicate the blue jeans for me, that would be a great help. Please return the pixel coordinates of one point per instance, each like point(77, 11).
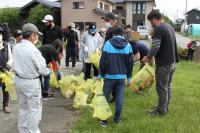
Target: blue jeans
point(45, 83)
point(118, 86)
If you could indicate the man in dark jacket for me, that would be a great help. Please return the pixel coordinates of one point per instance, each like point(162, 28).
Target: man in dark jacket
point(115, 66)
point(164, 49)
point(51, 31)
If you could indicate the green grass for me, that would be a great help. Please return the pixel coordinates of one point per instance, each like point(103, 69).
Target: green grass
point(183, 117)
point(194, 37)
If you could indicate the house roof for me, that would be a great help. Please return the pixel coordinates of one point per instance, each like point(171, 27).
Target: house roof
point(120, 1)
point(103, 12)
point(193, 10)
point(50, 4)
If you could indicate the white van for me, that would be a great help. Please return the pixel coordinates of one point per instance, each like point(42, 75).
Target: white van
point(143, 30)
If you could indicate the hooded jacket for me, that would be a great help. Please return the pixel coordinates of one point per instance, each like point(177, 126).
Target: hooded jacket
point(117, 59)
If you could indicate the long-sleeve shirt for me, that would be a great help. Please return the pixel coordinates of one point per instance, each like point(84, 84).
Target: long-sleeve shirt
point(91, 43)
point(28, 61)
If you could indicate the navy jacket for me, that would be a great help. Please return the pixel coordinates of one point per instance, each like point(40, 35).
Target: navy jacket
point(117, 59)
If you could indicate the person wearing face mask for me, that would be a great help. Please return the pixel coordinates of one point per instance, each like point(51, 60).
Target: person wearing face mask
point(164, 49)
point(28, 64)
point(72, 41)
point(110, 25)
point(51, 32)
point(5, 64)
point(90, 42)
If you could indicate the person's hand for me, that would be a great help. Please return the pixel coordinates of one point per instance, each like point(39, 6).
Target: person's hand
point(128, 84)
point(146, 59)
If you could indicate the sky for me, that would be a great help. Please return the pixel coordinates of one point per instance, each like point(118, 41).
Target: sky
point(169, 7)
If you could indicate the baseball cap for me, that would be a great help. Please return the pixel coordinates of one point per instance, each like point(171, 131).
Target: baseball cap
point(109, 16)
point(47, 18)
point(92, 26)
point(17, 33)
point(30, 28)
point(72, 25)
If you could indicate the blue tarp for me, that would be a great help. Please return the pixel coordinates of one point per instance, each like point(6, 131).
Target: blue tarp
point(194, 30)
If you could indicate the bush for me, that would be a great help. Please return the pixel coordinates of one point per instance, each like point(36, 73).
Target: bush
point(36, 14)
point(10, 16)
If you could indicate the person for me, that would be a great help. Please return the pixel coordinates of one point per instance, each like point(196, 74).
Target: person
point(116, 64)
point(50, 53)
point(5, 65)
point(164, 49)
point(140, 50)
point(18, 36)
point(7, 32)
point(128, 31)
point(190, 50)
point(90, 42)
point(110, 23)
point(28, 64)
point(72, 42)
point(51, 32)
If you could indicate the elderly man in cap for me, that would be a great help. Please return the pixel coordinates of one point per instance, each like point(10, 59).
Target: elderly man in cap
point(28, 64)
point(52, 31)
point(5, 64)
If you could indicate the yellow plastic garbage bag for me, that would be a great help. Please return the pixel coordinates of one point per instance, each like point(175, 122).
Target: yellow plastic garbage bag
point(78, 80)
point(88, 90)
point(94, 58)
point(53, 83)
point(101, 107)
point(67, 90)
point(80, 99)
point(7, 78)
point(144, 78)
point(97, 87)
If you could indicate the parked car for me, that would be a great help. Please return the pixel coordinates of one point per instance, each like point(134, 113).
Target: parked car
point(144, 31)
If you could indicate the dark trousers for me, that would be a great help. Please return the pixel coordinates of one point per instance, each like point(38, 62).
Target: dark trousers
point(87, 70)
point(45, 83)
point(190, 54)
point(5, 95)
point(116, 85)
point(70, 52)
point(164, 76)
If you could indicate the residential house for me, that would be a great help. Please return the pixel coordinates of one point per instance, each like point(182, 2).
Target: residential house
point(193, 16)
point(84, 12)
point(135, 11)
point(53, 5)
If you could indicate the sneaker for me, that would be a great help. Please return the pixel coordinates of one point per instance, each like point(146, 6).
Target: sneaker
point(155, 113)
point(47, 96)
point(6, 110)
point(117, 121)
point(103, 123)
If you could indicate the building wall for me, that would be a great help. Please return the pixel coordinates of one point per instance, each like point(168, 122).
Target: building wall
point(68, 14)
point(149, 7)
point(129, 13)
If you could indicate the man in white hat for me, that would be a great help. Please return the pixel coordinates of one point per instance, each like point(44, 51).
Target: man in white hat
point(28, 64)
point(52, 31)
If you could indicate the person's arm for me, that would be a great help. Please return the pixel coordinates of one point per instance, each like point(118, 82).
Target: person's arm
point(129, 65)
point(10, 58)
point(60, 35)
point(136, 57)
point(103, 62)
point(40, 63)
point(44, 37)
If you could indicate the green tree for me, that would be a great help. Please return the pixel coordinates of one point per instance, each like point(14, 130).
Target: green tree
point(36, 14)
point(10, 16)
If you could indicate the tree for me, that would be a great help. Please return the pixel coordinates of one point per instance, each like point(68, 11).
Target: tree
point(36, 15)
point(10, 16)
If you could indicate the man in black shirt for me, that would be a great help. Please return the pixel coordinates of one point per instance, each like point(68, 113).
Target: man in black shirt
point(164, 49)
point(51, 32)
point(72, 42)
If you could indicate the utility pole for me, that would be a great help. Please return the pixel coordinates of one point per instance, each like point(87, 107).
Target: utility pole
point(186, 13)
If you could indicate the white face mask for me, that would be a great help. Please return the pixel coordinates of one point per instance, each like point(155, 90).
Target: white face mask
point(108, 25)
point(1, 38)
